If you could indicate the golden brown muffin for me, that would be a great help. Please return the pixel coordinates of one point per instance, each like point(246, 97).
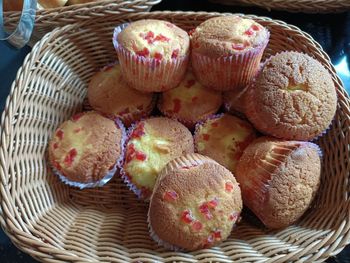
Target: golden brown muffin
point(152, 144)
point(108, 93)
point(85, 150)
point(294, 97)
point(226, 51)
point(227, 35)
point(224, 139)
point(195, 203)
point(189, 102)
point(279, 179)
point(155, 39)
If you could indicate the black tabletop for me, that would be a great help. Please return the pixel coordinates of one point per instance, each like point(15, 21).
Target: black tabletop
point(332, 31)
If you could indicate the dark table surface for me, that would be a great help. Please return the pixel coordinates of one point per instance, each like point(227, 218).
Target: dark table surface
point(332, 31)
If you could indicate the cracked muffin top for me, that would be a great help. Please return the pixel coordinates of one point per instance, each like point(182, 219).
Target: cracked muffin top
point(156, 39)
point(294, 97)
point(227, 35)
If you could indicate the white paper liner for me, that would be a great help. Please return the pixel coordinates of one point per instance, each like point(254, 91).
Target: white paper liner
point(228, 73)
point(109, 174)
point(149, 74)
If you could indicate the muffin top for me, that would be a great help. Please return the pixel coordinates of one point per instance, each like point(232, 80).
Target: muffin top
point(195, 203)
point(224, 139)
point(228, 35)
point(156, 39)
point(190, 101)
point(108, 93)
point(294, 97)
point(152, 144)
point(279, 179)
point(86, 147)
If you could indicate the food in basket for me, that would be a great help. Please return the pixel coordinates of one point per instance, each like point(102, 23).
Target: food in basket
point(190, 102)
point(234, 101)
point(109, 94)
point(195, 203)
point(224, 138)
point(86, 150)
point(153, 54)
point(17, 5)
point(279, 179)
point(152, 143)
point(293, 97)
point(226, 51)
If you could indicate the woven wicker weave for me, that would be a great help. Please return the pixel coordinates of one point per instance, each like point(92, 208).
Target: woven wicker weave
point(305, 6)
point(56, 223)
point(48, 19)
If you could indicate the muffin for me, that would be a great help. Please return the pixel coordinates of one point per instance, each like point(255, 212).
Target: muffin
point(195, 204)
point(293, 98)
point(234, 101)
point(279, 179)
point(153, 54)
point(151, 145)
point(189, 102)
point(224, 138)
point(108, 93)
point(226, 51)
point(86, 150)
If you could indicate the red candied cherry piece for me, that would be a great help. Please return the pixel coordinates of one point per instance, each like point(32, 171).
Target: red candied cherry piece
point(69, 159)
point(158, 56)
point(206, 136)
point(238, 46)
point(234, 216)
point(213, 203)
point(77, 116)
point(217, 234)
point(76, 130)
point(59, 134)
point(228, 186)
point(203, 208)
point(175, 53)
point(197, 226)
point(138, 131)
point(177, 105)
point(249, 32)
point(143, 53)
point(55, 145)
point(215, 124)
point(149, 37)
point(190, 33)
point(255, 27)
point(190, 83)
point(161, 38)
point(187, 217)
point(141, 156)
point(130, 153)
point(57, 165)
point(170, 196)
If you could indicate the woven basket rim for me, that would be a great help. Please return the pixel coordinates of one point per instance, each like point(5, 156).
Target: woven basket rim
point(304, 6)
point(15, 231)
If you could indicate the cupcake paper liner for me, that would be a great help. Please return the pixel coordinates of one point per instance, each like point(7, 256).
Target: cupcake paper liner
point(149, 74)
point(228, 73)
point(109, 174)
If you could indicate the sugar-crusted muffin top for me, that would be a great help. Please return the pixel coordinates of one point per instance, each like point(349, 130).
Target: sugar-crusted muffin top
point(152, 144)
point(86, 147)
point(224, 139)
point(279, 179)
point(195, 203)
point(190, 101)
point(157, 39)
point(108, 93)
point(293, 97)
point(227, 35)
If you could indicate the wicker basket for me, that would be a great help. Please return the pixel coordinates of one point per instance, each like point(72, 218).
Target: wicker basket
point(56, 223)
point(304, 6)
point(48, 19)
